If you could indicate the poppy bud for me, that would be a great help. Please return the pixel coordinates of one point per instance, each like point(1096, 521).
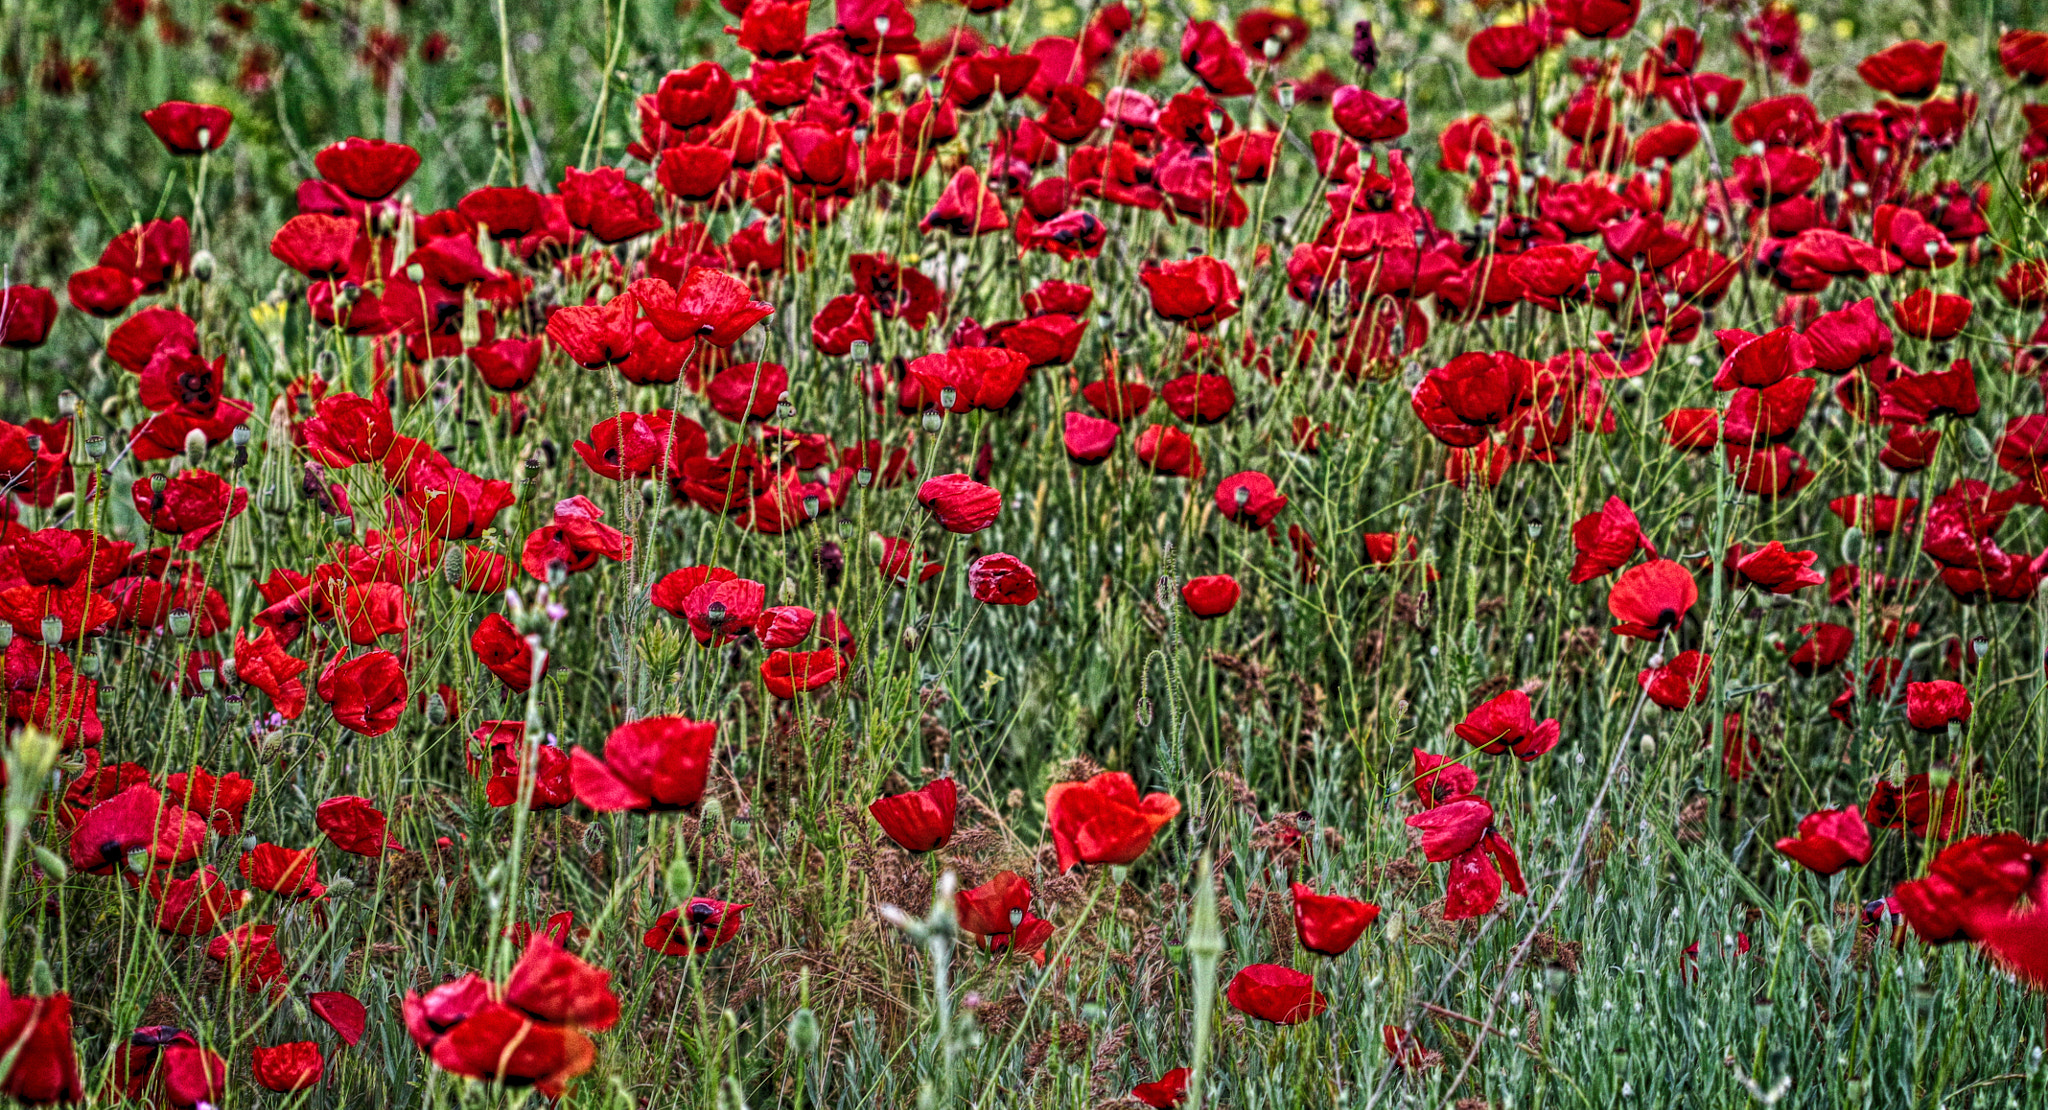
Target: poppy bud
point(1852, 545)
point(803, 1031)
point(89, 664)
point(202, 267)
point(437, 710)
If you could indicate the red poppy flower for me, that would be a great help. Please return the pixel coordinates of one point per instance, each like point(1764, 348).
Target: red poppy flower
point(697, 928)
point(1210, 596)
point(1206, 49)
point(137, 819)
point(596, 336)
point(901, 563)
point(999, 912)
point(1499, 52)
point(195, 905)
point(920, 821)
point(187, 128)
point(999, 579)
point(287, 1067)
point(1249, 499)
point(165, 1066)
point(708, 305)
point(1934, 706)
point(575, 540)
point(1439, 779)
point(1328, 923)
point(1274, 993)
point(1103, 820)
point(960, 504)
point(1909, 70)
point(1680, 683)
point(786, 673)
point(250, 955)
point(966, 207)
point(1932, 316)
point(366, 694)
point(1089, 440)
point(1829, 840)
point(527, 1033)
point(1651, 597)
point(219, 799)
point(43, 1064)
point(191, 504)
point(280, 870)
point(367, 169)
point(1972, 875)
point(649, 764)
point(844, 321)
point(355, 826)
point(26, 315)
point(723, 606)
point(1197, 292)
point(1171, 1089)
point(505, 653)
point(1368, 117)
point(1771, 567)
point(1606, 540)
point(1506, 723)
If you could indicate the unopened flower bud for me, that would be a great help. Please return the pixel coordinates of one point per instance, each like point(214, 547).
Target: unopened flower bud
point(202, 266)
point(195, 447)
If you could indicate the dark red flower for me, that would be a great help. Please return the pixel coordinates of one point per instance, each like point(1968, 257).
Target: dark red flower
point(1829, 840)
point(165, 1066)
point(787, 673)
point(220, 799)
point(1460, 401)
point(1197, 292)
point(1771, 567)
point(1088, 439)
point(1679, 683)
point(138, 819)
point(293, 872)
point(966, 207)
point(1168, 1090)
point(1103, 820)
point(1206, 49)
point(1934, 706)
point(1274, 993)
point(649, 764)
point(195, 905)
point(985, 378)
point(574, 540)
point(505, 653)
point(708, 305)
point(1328, 923)
point(920, 821)
point(1972, 875)
point(607, 205)
point(1931, 315)
point(1368, 117)
point(342, 1012)
point(1503, 51)
point(529, 1032)
point(26, 314)
point(1607, 540)
point(355, 825)
point(506, 212)
point(999, 579)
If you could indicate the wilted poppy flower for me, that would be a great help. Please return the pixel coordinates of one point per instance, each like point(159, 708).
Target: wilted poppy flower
point(1934, 706)
point(1165, 1092)
point(699, 927)
point(1506, 723)
point(920, 821)
point(355, 826)
point(1274, 993)
point(138, 819)
point(1197, 292)
point(1829, 840)
point(1909, 70)
point(787, 673)
point(367, 169)
point(1461, 833)
point(1679, 683)
point(287, 1067)
point(1210, 596)
point(1651, 597)
point(191, 504)
point(1103, 820)
point(367, 693)
point(960, 504)
point(653, 763)
point(999, 579)
point(1328, 923)
point(1606, 540)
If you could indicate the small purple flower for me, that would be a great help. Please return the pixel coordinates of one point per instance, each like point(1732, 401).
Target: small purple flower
point(1365, 50)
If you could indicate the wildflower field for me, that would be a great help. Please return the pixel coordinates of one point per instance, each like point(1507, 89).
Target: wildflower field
point(794, 553)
